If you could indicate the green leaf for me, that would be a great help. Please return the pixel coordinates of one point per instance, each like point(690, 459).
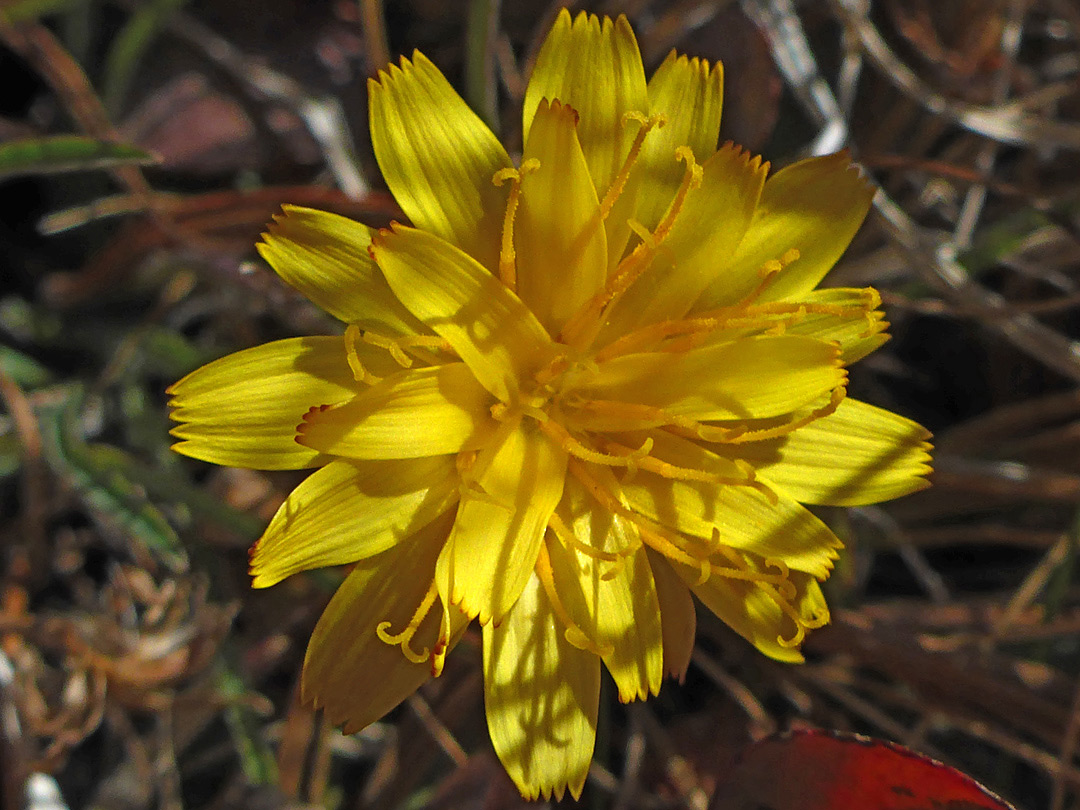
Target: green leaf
point(23, 369)
point(66, 153)
point(108, 480)
point(256, 759)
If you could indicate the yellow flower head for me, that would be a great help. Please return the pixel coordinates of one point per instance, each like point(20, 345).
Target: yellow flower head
point(574, 392)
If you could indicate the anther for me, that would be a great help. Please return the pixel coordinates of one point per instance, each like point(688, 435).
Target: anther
point(743, 435)
point(582, 327)
point(672, 471)
point(405, 636)
point(573, 633)
point(391, 346)
point(618, 185)
point(360, 374)
point(566, 536)
point(507, 253)
point(561, 436)
point(787, 589)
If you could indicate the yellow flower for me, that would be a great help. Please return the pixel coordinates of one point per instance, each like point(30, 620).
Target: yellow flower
point(573, 393)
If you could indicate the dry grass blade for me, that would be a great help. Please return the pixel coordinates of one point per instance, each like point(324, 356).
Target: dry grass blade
point(1008, 123)
point(939, 267)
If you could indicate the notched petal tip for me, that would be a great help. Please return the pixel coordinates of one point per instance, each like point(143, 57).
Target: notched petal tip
point(386, 77)
point(260, 578)
point(378, 239)
point(585, 18)
point(307, 419)
point(751, 162)
point(180, 447)
point(559, 109)
point(632, 695)
point(843, 163)
point(707, 71)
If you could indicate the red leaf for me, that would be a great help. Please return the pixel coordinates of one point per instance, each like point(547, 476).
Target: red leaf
point(822, 770)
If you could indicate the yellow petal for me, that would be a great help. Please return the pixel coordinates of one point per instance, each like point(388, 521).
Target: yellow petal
point(814, 206)
point(750, 612)
point(242, 410)
point(540, 696)
point(689, 95)
point(859, 455)
point(349, 511)
point(348, 671)
point(678, 620)
point(426, 412)
point(488, 326)
point(506, 501)
point(438, 157)
point(594, 65)
point(707, 231)
point(325, 257)
point(613, 603)
point(755, 377)
point(744, 517)
point(560, 239)
point(858, 333)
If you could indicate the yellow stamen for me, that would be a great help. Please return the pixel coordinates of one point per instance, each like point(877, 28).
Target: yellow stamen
point(610, 415)
point(778, 587)
point(674, 472)
point(583, 325)
point(360, 374)
point(560, 435)
point(651, 533)
point(667, 543)
point(691, 180)
point(781, 580)
point(782, 591)
point(405, 636)
point(573, 634)
point(742, 435)
point(648, 336)
point(802, 624)
point(391, 345)
point(507, 253)
point(618, 185)
point(699, 326)
point(567, 537)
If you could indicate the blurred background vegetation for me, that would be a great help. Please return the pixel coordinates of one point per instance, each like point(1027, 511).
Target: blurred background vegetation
point(143, 146)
